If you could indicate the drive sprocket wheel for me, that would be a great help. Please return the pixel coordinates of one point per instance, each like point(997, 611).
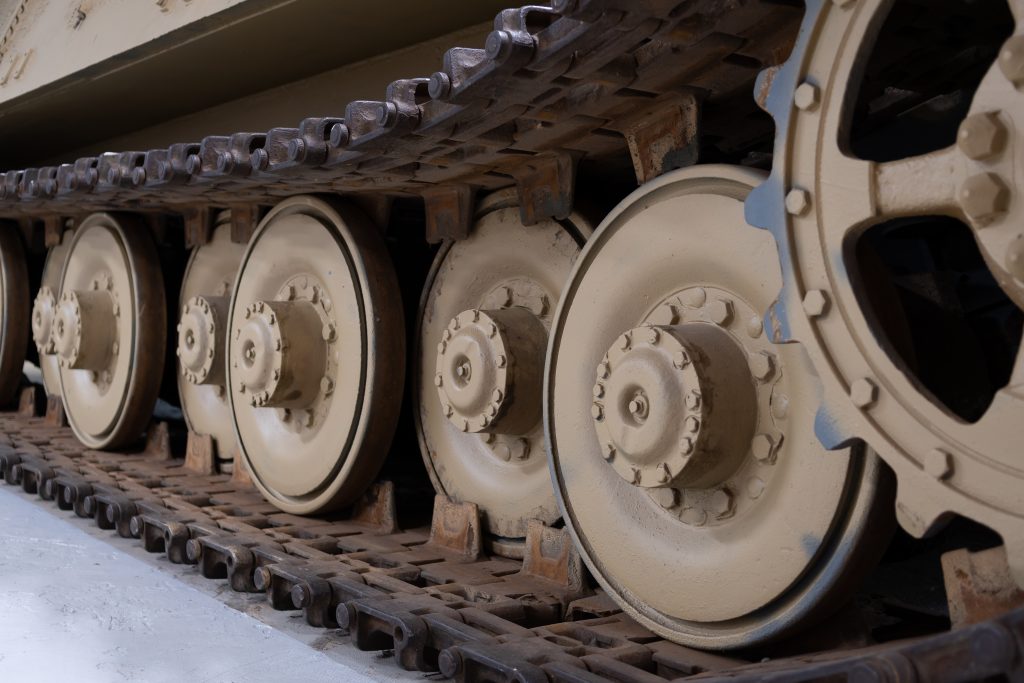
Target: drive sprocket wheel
point(484, 321)
point(316, 356)
point(110, 330)
point(14, 311)
point(202, 339)
point(820, 199)
point(44, 309)
point(682, 439)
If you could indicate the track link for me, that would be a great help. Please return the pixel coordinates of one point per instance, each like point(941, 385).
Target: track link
point(430, 595)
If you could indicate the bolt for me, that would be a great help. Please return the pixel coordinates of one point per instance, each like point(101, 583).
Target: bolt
point(442, 347)
point(538, 305)
point(981, 135)
point(983, 196)
point(763, 448)
point(501, 297)
point(864, 393)
point(608, 450)
point(694, 298)
point(625, 342)
point(762, 365)
point(807, 96)
point(603, 370)
point(692, 424)
point(694, 516)
point(666, 497)
point(693, 400)
point(1011, 60)
point(722, 503)
point(815, 302)
point(446, 335)
point(438, 380)
point(339, 135)
point(664, 474)
point(719, 311)
point(1015, 257)
point(497, 395)
point(501, 361)
point(598, 390)
point(327, 386)
point(498, 45)
point(651, 335)
point(635, 475)
point(938, 463)
point(521, 449)
point(448, 410)
point(664, 314)
point(686, 445)
point(798, 202)
point(681, 360)
point(597, 411)
point(328, 332)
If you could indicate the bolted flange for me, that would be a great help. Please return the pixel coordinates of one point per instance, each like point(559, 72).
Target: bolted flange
point(279, 354)
point(489, 370)
point(677, 405)
point(84, 331)
point(43, 312)
point(201, 339)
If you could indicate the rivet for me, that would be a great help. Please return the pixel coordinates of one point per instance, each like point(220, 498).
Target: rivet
point(755, 487)
point(754, 326)
point(798, 202)
point(694, 298)
point(666, 497)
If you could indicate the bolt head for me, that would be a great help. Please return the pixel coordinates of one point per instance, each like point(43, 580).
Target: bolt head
point(984, 196)
point(497, 395)
point(1015, 258)
point(722, 504)
point(608, 451)
point(438, 380)
point(328, 332)
point(762, 365)
point(693, 400)
point(981, 136)
point(666, 497)
point(651, 335)
point(664, 314)
point(681, 360)
point(864, 393)
point(501, 361)
point(597, 411)
point(798, 202)
point(603, 370)
point(938, 463)
point(686, 445)
point(807, 96)
point(326, 385)
point(1011, 60)
point(663, 474)
point(763, 448)
point(599, 390)
point(815, 302)
point(624, 342)
point(719, 311)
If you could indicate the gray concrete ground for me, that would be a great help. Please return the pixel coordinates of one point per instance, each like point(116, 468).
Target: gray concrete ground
point(79, 604)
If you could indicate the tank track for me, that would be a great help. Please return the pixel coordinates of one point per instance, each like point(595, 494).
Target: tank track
point(429, 595)
point(554, 88)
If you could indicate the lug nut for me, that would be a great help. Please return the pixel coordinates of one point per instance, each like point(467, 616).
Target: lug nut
point(806, 97)
point(719, 311)
point(722, 503)
point(762, 365)
point(762, 446)
point(864, 393)
point(798, 202)
point(815, 303)
point(983, 196)
point(938, 463)
point(1011, 60)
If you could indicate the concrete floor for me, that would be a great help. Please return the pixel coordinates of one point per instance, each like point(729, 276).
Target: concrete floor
point(78, 604)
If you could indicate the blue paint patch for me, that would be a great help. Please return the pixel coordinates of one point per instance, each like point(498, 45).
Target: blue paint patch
point(828, 430)
point(810, 544)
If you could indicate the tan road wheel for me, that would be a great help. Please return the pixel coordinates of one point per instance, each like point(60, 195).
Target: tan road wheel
point(110, 330)
point(202, 339)
point(14, 311)
point(484, 322)
point(682, 439)
point(43, 312)
point(818, 203)
point(316, 356)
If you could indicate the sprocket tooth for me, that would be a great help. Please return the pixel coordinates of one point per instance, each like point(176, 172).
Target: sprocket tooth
point(918, 513)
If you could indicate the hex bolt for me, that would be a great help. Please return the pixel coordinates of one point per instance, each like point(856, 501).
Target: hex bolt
point(652, 336)
point(815, 303)
point(329, 333)
point(981, 136)
point(1015, 258)
point(693, 400)
point(664, 474)
point(1011, 60)
point(983, 196)
point(938, 463)
point(597, 411)
point(681, 360)
point(807, 96)
point(666, 497)
point(762, 446)
point(608, 450)
point(864, 393)
point(598, 390)
point(664, 314)
point(719, 311)
point(762, 365)
point(686, 445)
point(722, 503)
point(798, 202)
point(438, 380)
point(327, 386)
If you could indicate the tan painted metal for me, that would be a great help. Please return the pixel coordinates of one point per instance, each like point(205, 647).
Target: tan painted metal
point(316, 356)
point(943, 464)
point(43, 311)
point(109, 331)
point(14, 311)
point(484, 318)
point(683, 444)
point(202, 339)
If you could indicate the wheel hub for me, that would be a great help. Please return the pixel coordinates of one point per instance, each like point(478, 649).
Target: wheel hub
point(673, 405)
point(43, 312)
point(200, 335)
point(280, 354)
point(489, 370)
point(85, 329)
